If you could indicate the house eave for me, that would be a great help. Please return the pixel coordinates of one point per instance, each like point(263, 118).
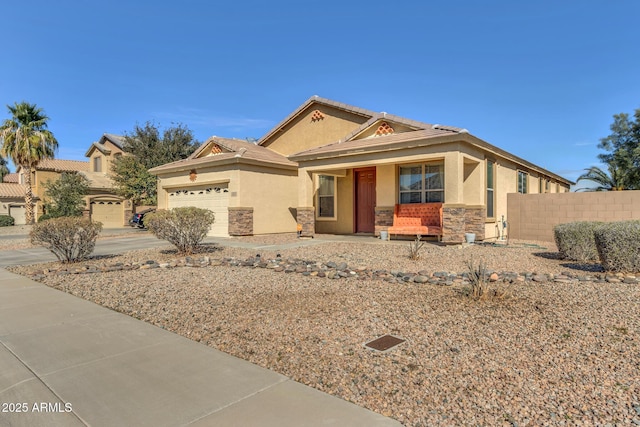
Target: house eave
point(216, 162)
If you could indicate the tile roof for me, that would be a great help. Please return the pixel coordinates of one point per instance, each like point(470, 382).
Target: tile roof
point(11, 178)
point(116, 140)
point(12, 190)
point(58, 165)
point(239, 151)
point(378, 142)
point(98, 180)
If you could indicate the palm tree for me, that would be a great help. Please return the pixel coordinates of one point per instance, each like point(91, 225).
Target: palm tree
point(4, 169)
point(26, 140)
point(615, 180)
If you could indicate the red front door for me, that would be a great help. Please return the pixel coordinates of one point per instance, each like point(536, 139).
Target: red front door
point(365, 200)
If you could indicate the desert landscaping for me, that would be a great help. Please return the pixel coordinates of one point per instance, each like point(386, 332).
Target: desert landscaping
point(558, 345)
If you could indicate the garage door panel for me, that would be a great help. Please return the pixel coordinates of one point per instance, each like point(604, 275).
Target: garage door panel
point(19, 214)
point(215, 198)
point(108, 212)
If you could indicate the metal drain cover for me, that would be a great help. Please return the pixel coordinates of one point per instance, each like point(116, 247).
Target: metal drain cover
point(384, 343)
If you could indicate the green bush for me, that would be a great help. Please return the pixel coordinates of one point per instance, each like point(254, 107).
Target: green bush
point(575, 240)
point(618, 246)
point(46, 216)
point(68, 238)
point(6, 221)
point(182, 227)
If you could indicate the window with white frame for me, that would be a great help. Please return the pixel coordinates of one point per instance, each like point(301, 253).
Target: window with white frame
point(422, 183)
point(326, 197)
point(523, 177)
point(491, 198)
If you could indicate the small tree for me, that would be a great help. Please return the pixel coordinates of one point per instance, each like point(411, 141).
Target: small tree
point(65, 196)
point(182, 227)
point(146, 148)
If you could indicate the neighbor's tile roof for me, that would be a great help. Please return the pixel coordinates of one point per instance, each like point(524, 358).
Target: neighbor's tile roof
point(58, 165)
point(98, 180)
point(117, 140)
point(12, 190)
point(11, 177)
point(239, 150)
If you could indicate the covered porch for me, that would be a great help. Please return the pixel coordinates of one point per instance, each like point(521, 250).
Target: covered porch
point(358, 194)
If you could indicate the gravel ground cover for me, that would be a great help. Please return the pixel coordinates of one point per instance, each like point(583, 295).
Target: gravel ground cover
point(549, 354)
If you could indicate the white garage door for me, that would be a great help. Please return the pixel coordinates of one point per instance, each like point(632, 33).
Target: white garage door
point(19, 214)
point(108, 212)
point(212, 197)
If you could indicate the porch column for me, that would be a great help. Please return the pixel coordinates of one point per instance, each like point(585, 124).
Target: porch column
point(453, 210)
point(305, 214)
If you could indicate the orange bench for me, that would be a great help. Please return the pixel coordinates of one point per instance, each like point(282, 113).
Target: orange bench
point(424, 219)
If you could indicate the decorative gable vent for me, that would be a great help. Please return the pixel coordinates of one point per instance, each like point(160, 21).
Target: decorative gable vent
point(317, 116)
point(384, 129)
point(215, 149)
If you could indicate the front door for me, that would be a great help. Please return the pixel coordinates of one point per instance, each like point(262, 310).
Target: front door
point(365, 200)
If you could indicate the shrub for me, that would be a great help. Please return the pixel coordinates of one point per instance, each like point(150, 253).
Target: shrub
point(618, 246)
point(479, 279)
point(68, 238)
point(6, 221)
point(46, 216)
point(414, 248)
point(182, 227)
point(575, 240)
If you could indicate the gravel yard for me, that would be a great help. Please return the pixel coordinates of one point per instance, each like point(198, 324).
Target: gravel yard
point(10, 244)
point(550, 354)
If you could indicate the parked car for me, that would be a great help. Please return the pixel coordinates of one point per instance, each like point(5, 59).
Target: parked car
point(137, 220)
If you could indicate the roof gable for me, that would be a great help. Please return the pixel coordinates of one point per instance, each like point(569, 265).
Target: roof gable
point(232, 152)
point(107, 144)
point(317, 122)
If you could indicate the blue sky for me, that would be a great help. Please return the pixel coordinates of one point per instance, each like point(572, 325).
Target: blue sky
point(541, 79)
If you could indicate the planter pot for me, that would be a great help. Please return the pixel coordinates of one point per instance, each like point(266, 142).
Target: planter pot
point(470, 237)
point(384, 235)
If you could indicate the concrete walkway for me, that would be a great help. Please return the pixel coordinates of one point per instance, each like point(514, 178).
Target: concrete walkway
point(65, 361)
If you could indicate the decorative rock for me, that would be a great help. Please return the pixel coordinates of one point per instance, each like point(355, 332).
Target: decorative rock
point(494, 277)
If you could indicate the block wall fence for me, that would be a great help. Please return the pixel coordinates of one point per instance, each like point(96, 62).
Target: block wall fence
point(533, 216)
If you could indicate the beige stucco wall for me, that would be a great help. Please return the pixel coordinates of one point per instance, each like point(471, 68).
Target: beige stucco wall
point(273, 196)
point(303, 133)
point(271, 193)
point(533, 216)
point(343, 224)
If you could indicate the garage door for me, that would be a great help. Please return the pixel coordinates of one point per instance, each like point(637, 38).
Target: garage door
point(212, 197)
point(19, 214)
point(108, 212)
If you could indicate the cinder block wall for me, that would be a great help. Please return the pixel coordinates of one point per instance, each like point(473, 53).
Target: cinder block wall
point(533, 216)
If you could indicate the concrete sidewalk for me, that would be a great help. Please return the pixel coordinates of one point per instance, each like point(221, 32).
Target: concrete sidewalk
point(65, 361)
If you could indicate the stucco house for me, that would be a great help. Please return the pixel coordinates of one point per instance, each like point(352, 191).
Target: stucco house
point(329, 167)
point(101, 204)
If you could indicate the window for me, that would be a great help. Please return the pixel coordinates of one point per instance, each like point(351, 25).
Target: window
point(490, 189)
point(97, 164)
point(326, 196)
point(522, 182)
point(422, 183)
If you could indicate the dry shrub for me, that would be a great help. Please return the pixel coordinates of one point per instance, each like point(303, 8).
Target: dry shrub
point(414, 248)
point(480, 284)
point(618, 246)
point(184, 228)
point(68, 238)
point(576, 241)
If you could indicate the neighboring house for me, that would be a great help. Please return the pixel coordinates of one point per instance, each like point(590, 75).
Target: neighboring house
point(330, 167)
point(101, 204)
point(12, 201)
